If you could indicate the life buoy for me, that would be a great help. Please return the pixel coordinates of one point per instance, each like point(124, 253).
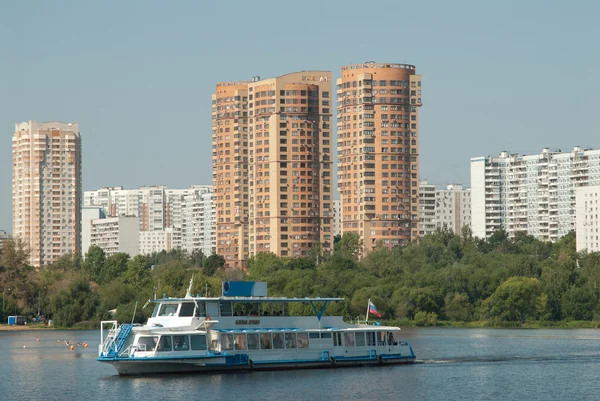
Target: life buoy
point(380, 359)
point(250, 363)
point(332, 360)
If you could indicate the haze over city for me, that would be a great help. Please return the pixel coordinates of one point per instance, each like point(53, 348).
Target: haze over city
point(138, 77)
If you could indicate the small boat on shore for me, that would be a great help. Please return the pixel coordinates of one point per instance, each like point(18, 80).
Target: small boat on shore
point(246, 330)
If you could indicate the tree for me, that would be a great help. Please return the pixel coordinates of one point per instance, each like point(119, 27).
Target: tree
point(350, 246)
point(515, 299)
point(93, 264)
point(114, 266)
point(137, 273)
point(213, 263)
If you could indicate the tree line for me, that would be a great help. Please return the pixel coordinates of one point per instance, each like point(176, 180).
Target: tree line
point(443, 276)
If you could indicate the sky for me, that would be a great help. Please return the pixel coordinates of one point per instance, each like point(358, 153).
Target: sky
point(138, 75)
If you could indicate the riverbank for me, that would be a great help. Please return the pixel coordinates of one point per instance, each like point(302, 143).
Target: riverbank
point(6, 327)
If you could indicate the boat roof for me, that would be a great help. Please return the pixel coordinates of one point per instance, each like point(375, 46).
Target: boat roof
point(245, 299)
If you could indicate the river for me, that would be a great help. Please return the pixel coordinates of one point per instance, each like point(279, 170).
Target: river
point(452, 364)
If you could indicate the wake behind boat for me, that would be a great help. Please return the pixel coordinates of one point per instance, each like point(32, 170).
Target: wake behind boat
point(246, 330)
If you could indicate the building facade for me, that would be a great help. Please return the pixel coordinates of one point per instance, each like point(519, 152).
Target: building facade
point(290, 166)
point(198, 223)
point(230, 170)
point(46, 189)
point(272, 166)
point(427, 202)
point(587, 223)
point(378, 152)
point(533, 194)
point(157, 241)
point(337, 222)
point(453, 208)
point(116, 235)
point(88, 214)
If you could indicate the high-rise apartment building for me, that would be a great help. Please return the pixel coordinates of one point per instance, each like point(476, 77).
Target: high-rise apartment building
point(3, 236)
point(533, 194)
point(378, 156)
point(116, 235)
point(230, 170)
point(198, 223)
point(272, 165)
point(46, 189)
point(290, 142)
point(337, 222)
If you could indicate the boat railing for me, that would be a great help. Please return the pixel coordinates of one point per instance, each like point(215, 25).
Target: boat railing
point(107, 344)
point(132, 349)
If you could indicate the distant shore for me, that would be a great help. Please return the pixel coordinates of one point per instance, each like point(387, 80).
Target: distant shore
point(29, 327)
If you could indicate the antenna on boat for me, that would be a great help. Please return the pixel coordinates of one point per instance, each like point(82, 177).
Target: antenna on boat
point(188, 294)
point(134, 310)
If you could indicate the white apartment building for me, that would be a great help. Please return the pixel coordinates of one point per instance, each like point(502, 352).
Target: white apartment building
point(337, 224)
point(587, 222)
point(533, 194)
point(453, 208)
point(198, 229)
point(115, 235)
point(157, 241)
point(88, 214)
point(448, 208)
point(427, 223)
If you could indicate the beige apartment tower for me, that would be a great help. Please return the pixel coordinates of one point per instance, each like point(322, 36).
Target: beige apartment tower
point(230, 170)
point(46, 189)
point(272, 166)
point(378, 157)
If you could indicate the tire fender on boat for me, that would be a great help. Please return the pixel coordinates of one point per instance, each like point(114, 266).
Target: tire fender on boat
point(250, 363)
point(380, 359)
point(332, 360)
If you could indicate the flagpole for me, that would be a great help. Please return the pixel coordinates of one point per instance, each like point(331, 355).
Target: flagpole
point(368, 303)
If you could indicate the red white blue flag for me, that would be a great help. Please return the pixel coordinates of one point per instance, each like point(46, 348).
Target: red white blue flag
point(373, 309)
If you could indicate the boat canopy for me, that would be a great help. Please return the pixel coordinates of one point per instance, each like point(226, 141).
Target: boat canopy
point(244, 299)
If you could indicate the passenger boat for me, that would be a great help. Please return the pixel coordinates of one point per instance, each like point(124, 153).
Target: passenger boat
point(246, 330)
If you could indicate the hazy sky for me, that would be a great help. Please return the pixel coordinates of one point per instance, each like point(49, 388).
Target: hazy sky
point(138, 75)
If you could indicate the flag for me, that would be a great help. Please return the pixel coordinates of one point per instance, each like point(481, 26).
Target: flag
point(373, 309)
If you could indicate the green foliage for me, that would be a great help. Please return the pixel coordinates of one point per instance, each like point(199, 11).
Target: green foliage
point(212, 263)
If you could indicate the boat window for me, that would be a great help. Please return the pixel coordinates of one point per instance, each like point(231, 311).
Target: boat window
point(290, 340)
point(252, 340)
point(200, 309)
point(180, 343)
point(164, 344)
point(326, 335)
point(246, 308)
point(240, 341)
point(226, 341)
point(349, 339)
point(155, 311)
point(360, 339)
point(265, 341)
point(380, 338)
point(187, 309)
point(198, 342)
point(149, 342)
point(314, 335)
point(337, 339)
point(278, 341)
point(225, 309)
point(168, 310)
point(370, 338)
point(303, 340)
